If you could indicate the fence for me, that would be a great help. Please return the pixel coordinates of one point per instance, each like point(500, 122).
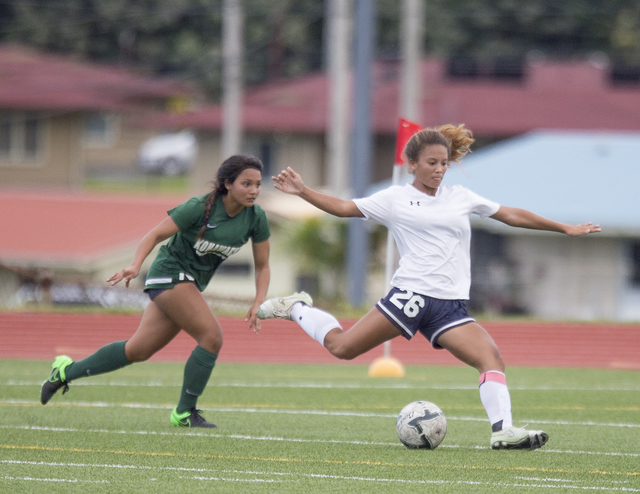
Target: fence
point(25, 289)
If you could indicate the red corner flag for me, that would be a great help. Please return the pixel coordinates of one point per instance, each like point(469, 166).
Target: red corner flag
point(405, 130)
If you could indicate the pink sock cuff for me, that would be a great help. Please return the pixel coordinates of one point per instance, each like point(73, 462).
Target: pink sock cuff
point(495, 376)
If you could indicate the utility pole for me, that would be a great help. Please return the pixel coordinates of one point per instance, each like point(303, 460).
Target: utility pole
point(338, 50)
point(358, 241)
point(410, 102)
point(412, 33)
point(410, 106)
point(231, 78)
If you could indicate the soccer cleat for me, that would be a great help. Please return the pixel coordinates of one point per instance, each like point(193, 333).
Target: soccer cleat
point(191, 418)
point(56, 380)
point(518, 438)
point(280, 307)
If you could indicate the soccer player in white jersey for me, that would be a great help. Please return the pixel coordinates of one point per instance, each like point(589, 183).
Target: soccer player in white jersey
point(430, 224)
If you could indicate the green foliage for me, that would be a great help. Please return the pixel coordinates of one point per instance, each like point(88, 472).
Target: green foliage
point(312, 428)
point(318, 244)
point(512, 28)
point(141, 184)
point(285, 38)
point(319, 247)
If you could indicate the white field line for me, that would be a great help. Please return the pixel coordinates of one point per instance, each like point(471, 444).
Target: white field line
point(72, 481)
point(442, 482)
point(280, 439)
point(281, 411)
point(223, 479)
point(558, 483)
point(316, 385)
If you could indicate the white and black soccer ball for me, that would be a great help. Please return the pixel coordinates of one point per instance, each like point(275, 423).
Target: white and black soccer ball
point(421, 425)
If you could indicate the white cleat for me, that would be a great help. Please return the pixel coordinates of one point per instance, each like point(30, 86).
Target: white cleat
point(518, 438)
point(280, 307)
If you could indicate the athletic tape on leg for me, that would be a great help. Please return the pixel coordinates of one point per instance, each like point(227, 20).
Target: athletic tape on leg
point(494, 376)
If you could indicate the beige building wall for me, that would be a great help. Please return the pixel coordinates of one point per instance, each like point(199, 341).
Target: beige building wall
point(118, 149)
point(67, 154)
point(303, 153)
point(207, 162)
point(568, 278)
point(58, 161)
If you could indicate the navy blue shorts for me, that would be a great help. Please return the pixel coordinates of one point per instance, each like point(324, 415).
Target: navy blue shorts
point(412, 312)
point(154, 292)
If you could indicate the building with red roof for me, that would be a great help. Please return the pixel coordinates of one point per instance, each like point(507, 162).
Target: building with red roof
point(287, 121)
point(60, 116)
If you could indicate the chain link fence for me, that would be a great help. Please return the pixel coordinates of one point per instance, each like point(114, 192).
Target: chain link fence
point(22, 289)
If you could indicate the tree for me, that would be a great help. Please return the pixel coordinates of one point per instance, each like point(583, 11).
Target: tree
point(284, 38)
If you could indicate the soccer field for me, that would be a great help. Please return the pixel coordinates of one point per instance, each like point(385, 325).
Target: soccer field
point(313, 428)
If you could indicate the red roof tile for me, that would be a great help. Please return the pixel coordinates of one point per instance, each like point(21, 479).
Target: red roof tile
point(552, 95)
point(33, 80)
point(62, 227)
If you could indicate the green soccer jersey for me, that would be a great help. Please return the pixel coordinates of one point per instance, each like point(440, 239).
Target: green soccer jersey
point(185, 259)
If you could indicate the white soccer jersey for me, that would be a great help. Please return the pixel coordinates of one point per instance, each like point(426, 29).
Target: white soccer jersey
point(433, 236)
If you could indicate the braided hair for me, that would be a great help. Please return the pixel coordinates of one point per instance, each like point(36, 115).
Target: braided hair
point(457, 140)
point(228, 172)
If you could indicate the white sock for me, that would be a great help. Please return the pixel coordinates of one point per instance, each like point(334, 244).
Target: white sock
point(495, 398)
point(315, 322)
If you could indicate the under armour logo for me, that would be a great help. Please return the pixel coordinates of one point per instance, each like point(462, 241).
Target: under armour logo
point(417, 203)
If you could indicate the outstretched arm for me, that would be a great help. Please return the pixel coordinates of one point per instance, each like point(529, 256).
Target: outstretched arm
point(526, 219)
point(291, 182)
point(263, 275)
point(161, 232)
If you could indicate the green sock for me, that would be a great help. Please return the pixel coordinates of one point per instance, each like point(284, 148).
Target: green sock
point(108, 358)
point(196, 375)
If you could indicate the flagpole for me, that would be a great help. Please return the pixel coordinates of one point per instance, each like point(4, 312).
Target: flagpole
point(387, 366)
point(390, 262)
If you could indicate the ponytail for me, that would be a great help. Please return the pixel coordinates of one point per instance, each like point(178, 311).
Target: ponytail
point(457, 140)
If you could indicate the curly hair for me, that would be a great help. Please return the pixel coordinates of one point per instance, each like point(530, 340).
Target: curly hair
point(457, 140)
point(228, 172)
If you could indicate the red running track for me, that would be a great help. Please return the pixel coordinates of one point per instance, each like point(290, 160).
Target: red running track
point(43, 336)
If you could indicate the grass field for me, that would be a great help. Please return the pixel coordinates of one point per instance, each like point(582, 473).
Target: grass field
point(299, 429)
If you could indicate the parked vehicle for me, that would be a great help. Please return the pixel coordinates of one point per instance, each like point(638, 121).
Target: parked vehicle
point(168, 154)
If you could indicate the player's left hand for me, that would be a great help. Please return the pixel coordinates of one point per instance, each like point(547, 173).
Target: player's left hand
point(126, 274)
point(252, 317)
point(584, 229)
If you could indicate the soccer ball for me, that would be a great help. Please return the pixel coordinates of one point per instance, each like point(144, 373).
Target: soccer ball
point(421, 425)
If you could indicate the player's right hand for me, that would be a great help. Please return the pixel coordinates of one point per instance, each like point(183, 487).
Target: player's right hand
point(289, 181)
point(126, 274)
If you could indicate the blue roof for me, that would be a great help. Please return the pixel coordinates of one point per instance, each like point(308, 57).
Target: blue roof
point(571, 177)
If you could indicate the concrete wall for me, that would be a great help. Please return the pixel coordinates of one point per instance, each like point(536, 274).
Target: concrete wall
point(568, 278)
point(119, 153)
point(303, 153)
point(59, 161)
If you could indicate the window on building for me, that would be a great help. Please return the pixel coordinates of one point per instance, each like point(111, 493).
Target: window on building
point(100, 129)
point(31, 135)
point(265, 148)
point(623, 74)
point(635, 264)
point(21, 137)
point(5, 135)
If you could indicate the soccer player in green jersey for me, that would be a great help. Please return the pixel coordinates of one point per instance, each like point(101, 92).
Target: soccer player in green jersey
point(203, 232)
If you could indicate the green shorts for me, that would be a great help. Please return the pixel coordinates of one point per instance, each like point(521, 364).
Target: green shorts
point(168, 281)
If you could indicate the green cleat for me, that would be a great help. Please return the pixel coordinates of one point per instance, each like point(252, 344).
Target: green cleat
point(190, 419)
point(56, 380)
point(518, 438)
point(280, 307)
